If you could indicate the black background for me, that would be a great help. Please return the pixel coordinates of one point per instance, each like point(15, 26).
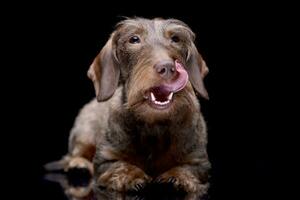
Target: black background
point(52, 46)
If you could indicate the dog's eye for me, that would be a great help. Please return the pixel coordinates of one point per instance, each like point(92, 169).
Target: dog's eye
point(134, 40)
point(175, 39)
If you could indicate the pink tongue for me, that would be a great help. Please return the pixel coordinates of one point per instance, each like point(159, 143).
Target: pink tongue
point(180, 81)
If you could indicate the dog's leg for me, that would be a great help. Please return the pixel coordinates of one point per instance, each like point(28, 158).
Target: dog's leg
point(82, 140)
point(186, 177)
point(70, 162)
point(80, 158)
point(121, 176)
point(80, 163)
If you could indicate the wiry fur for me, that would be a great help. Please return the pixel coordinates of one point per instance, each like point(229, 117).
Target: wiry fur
point(130, 142)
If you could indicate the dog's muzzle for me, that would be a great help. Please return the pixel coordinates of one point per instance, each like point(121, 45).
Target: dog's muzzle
point(174, 80)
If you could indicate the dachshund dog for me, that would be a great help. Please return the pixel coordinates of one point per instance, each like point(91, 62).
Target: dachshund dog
point(145, 125)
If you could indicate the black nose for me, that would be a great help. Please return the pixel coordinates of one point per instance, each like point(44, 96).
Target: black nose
point(166, 69)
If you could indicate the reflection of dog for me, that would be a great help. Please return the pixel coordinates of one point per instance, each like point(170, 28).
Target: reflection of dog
point(148, 125)
point(74, 192)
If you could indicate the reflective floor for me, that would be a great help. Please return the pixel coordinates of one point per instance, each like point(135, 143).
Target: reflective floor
point(78, 185)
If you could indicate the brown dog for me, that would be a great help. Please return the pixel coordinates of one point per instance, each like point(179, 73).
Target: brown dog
point(148, 126)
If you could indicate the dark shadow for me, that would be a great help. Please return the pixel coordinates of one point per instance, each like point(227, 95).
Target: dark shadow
point(77, 184)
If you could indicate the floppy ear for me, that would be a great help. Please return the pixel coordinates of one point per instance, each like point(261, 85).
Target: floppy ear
point(104, 72)
point(197, 70)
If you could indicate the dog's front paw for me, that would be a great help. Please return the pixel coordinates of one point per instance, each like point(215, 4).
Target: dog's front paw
point(123, 178)
point(182, 179)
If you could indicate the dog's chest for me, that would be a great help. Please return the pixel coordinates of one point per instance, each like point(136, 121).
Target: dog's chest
point(156, 153)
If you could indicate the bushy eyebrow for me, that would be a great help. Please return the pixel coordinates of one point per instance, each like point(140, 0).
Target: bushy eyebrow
point(176, 21)
point(179, 26)
point(130, 26)
point(130, 23)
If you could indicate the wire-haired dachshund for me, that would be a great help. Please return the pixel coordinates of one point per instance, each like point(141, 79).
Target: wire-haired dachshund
point(145, 124)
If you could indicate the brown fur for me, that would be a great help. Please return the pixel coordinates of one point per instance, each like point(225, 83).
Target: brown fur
point(135, 143)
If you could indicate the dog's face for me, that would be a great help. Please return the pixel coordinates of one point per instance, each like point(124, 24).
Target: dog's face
point(158, 64)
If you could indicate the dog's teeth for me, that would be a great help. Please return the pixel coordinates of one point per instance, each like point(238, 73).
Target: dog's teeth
point(162, 103)
point(170, 96)
point(165, 102)
point(152, 97)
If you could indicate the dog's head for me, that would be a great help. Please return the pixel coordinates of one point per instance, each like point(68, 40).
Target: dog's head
point(157, 63)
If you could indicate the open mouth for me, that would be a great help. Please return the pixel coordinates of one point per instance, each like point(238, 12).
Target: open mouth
point(160, 98)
